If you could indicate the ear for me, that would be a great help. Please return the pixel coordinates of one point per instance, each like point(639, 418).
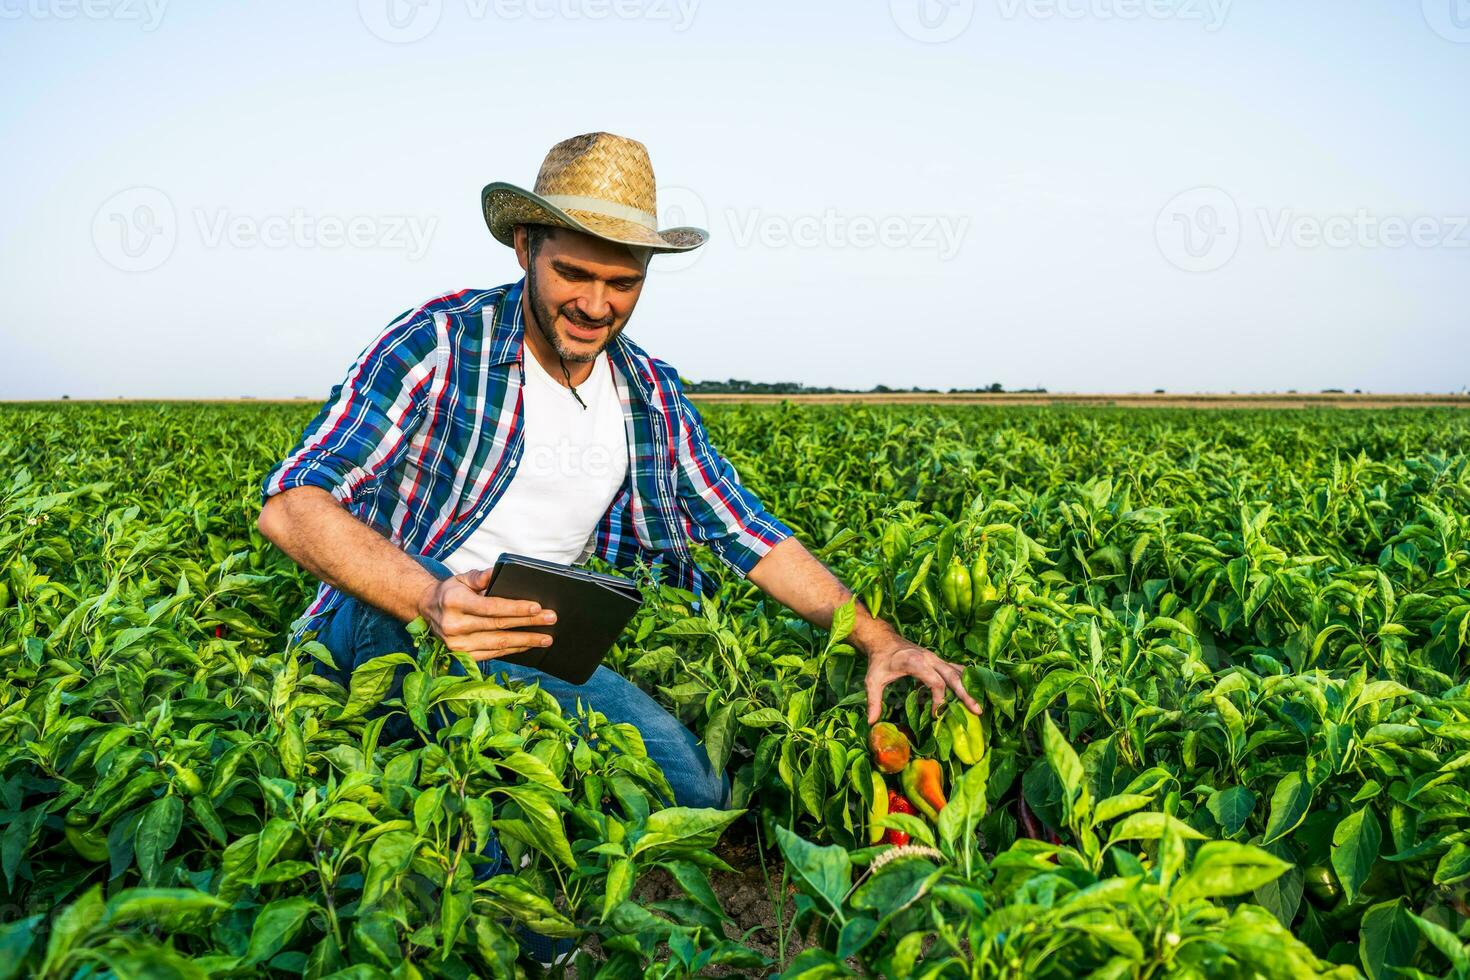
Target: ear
point(523, 250)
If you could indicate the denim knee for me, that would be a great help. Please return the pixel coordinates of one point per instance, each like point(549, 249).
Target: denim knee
point(701, 788)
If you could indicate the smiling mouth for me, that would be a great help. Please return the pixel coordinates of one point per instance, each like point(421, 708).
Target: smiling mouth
point(578, 329)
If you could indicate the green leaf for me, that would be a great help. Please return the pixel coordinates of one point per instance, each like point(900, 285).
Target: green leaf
point(763, 718)
point(1231, 808)
point(1150, 826)
point(456, 906)
point(844, 617)
point(1068, 767)
point(824, 873)
point(914, 826)
point(519, 899)
point(1002, 625)
point(682, 829)
point(164, 908)
point(1115, 806)
point(1355, 845)
point(1389, 939)
point(16, 939)
point(275, 926)
point(1454, 865)
point(719, 736)
point(1289, 803)
point(370, 684)
point(1224, 869)
point(158, 828)
point(621, 875)
point(1050, 687)
point(1236, 573)
point(540, 812)
point(1449, 945)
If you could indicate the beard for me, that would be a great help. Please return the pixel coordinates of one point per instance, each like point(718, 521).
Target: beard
point(545, 316)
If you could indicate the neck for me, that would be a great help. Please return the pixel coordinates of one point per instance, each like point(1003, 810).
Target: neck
point(544, 353)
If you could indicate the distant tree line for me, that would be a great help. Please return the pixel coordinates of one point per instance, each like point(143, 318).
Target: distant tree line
point(738, 386)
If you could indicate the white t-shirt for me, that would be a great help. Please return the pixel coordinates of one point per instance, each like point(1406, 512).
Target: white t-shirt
point(573, 462)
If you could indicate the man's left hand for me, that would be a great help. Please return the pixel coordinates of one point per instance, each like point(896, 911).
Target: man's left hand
point(899, 658)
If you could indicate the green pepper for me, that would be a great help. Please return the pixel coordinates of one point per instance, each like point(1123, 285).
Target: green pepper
point(187, 780)
point(874, 599)
point(966, 734)
point(957, 589)
point(878, 810)
point(88, 844)
point(948, 594)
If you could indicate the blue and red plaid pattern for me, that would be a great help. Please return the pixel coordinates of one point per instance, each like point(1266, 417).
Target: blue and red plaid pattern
point(424, 434)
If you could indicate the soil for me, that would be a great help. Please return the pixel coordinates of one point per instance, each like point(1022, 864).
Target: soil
point(744, 893)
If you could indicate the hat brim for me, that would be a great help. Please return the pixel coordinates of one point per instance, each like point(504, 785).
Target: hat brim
point(506, 205)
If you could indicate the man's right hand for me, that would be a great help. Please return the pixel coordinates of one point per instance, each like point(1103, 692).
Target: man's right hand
point(480, 625)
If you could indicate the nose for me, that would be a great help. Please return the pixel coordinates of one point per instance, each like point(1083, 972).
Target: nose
point(593, 303)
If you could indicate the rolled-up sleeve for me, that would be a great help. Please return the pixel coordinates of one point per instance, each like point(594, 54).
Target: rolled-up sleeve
point(718, 510)
point(365, 425)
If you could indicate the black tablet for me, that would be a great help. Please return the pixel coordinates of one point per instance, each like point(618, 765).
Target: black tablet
point(591, 611)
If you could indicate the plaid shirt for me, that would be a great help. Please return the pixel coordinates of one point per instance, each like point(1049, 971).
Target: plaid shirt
point(425, 433)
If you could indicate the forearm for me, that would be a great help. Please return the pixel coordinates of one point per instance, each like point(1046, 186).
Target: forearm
point(320, 535)
point(795, 577)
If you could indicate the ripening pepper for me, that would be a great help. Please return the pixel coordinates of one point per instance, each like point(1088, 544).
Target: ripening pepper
point(966, 734)
point(878, 810)
point(923, 784)
point(897, 804)
point(890, 748)
point(955, 589)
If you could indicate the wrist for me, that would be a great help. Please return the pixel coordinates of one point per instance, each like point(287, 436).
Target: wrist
point(425, 604)
point(873, 637)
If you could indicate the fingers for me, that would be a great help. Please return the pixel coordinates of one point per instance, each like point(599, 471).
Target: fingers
point(875, 699)
point(468, 599)
point(955, 676)
point(494, 607)
point(490, 644)
point(465, 611)
point(938, 686)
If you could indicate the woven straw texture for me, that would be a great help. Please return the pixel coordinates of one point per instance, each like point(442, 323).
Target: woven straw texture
point(597, 183)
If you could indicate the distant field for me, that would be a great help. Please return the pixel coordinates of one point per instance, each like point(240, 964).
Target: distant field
point(1126, 400)
point(1119, 400)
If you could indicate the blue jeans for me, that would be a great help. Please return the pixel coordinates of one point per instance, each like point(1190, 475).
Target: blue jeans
point(356, 633)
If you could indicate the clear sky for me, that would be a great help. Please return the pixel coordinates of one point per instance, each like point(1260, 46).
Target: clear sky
point(231, 198)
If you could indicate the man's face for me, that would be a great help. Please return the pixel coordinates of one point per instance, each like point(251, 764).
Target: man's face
point(582, 289)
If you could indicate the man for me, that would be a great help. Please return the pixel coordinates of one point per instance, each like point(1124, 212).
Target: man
point(520, 419)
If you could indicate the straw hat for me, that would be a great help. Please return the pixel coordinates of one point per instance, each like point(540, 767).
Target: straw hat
point(596, 183)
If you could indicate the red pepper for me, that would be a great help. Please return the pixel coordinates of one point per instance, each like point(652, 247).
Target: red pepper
point(897, 804)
